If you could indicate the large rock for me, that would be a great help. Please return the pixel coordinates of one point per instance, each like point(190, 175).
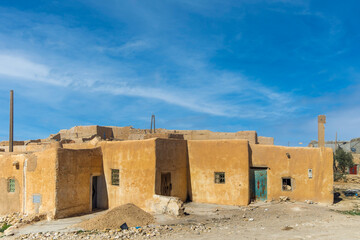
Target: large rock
point(10, 231)
point(167, 205)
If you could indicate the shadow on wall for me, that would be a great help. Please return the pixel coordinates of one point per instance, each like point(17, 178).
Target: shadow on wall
point(250, 176)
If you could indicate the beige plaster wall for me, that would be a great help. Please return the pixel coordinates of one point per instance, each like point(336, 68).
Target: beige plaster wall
point(40, 180)
point(318, 188)
point(251, 136)
point(229, 156)
point(171, 156)
point(136, 163)
point(356, 158)
point(265, 140)
point(11, 202)
point(36, 175)
point(73, 183)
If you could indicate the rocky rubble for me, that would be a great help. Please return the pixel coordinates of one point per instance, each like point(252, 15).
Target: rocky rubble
point(20, 218)
point(16, 220)
point(131, 233)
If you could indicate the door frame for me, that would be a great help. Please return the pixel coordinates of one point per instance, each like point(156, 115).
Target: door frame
point(91, 189)
point(161, 183)
point(252, 182)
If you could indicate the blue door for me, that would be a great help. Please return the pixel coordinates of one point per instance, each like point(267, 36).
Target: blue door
point(260, 177)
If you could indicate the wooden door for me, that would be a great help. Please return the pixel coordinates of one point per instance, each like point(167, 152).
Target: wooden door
point(166, 184)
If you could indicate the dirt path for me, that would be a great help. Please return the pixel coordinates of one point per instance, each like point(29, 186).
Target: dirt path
point(275, 220)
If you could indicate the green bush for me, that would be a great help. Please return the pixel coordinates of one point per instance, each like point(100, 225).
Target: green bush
point(342, 160)
point(339, 176)
point(354, 212)
point(4, 227)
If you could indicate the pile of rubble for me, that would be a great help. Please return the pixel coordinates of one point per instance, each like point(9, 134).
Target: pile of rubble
point(15, 219)
point(128, 215)
point(145, 232)
point(353, 179)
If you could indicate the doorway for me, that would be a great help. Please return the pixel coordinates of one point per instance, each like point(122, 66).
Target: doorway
point(99, 197)
point(258, 184)
point(166, 185)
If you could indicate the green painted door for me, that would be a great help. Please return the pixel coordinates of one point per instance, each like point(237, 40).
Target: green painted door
point(260, 184)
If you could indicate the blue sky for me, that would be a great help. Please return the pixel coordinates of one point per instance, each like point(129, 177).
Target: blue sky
point(265, 65)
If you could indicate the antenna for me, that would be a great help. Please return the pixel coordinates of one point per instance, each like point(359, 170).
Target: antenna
point(152, 122)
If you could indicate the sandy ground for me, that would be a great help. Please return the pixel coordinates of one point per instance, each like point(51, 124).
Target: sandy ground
point(273, 220)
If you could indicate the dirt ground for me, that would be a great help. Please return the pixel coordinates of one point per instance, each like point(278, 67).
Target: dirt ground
point(271, 220)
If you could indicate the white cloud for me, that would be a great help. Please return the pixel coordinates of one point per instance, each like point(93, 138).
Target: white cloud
point(19, 67)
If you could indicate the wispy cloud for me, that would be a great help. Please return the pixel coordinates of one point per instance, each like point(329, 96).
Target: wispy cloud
point(127, 48)
point(23, 69)
point(183, 58)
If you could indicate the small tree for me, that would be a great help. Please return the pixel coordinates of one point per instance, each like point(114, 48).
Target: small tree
point(343, 160)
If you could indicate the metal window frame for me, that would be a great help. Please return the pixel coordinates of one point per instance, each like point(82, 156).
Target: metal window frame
point(219, 177)
point(115, 177)
point(11, 185)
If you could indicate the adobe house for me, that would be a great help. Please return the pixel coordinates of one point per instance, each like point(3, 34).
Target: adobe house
point(234, 172)
point(54, 181)
point(62, 180)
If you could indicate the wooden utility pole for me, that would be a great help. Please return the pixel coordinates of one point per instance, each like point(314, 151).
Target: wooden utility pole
point(11, 129)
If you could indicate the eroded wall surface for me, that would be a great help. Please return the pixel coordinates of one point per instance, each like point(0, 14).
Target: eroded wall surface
point(135, 161)
point(229, 156)
point(171, 157)
point(74, 173)
point(317, 188)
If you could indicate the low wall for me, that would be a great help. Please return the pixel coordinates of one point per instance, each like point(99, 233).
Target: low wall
point(265, 140)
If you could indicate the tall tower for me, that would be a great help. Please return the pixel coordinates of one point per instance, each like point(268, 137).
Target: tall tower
point(321, 130)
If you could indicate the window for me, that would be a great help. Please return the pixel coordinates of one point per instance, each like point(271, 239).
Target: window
point(115, 177)
point(287, 184)
point(220, 177)
point(11, 185)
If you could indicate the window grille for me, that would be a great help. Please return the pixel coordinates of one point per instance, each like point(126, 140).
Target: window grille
point(220, 177)
point(11, 185)
point(115, 177)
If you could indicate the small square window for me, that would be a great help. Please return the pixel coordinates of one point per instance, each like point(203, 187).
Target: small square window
point(115, 177)
point(287, 184)
point(220, 177)
point(11, 185)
